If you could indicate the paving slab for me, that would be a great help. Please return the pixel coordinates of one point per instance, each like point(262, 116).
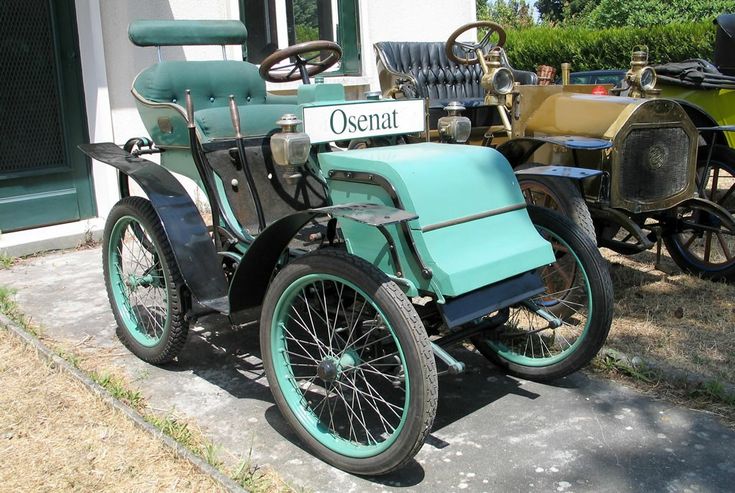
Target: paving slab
point(492, 432)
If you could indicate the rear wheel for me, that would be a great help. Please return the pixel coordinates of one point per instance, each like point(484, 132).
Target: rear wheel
point(578, 292)
point(349, 362)
point(143, 282)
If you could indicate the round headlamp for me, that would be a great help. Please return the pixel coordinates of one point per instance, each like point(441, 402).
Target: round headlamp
point(503, 81)
point(647, 78)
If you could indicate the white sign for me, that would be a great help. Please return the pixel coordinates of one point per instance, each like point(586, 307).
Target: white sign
point(364, 119)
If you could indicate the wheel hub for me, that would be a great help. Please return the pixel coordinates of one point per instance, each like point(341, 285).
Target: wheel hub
point(327, 370)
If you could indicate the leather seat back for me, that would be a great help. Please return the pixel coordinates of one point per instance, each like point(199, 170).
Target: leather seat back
point(432, 74)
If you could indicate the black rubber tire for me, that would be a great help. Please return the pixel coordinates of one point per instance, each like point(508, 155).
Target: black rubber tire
point(601, 289)
point(565, 196)
point(413, 339)
point(724, 271)
point(723, 157)
point(176, 329)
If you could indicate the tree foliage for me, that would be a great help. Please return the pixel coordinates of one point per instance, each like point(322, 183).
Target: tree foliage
point(647, 13)
point(555, 12)
point(513, 14)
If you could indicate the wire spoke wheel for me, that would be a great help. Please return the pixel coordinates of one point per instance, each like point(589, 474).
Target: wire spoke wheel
point(142, 282)
point(343, 367)
point(560, 330)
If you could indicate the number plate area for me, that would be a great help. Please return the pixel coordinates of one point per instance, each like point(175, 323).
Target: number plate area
point(346, 121)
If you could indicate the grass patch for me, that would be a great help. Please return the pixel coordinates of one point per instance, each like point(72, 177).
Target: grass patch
point(6, 261)
point(117, 387)
point(9, 308)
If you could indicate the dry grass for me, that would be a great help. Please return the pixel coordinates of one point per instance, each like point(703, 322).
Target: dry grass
point(55, 435)
point(678, 319)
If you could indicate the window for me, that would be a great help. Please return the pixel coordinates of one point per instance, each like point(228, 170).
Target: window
point(278, 23)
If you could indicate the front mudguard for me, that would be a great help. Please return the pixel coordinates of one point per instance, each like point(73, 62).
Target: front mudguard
point(255, 270)
point(192, 246)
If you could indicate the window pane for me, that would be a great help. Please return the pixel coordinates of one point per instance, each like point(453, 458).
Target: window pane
point(260, 21)
point(309, 20)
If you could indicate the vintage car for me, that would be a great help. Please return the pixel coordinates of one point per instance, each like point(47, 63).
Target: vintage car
point(706, 91)
point(631, 162)
point(363, 266)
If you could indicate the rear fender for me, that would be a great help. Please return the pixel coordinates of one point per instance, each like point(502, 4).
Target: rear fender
point(185, 230)
point(254, 273)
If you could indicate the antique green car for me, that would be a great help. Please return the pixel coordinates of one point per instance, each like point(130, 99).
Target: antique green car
point(362, 265)
point(630, 163)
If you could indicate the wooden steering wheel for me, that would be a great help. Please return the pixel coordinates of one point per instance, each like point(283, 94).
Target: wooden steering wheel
point(471, 48)
point(306, 61)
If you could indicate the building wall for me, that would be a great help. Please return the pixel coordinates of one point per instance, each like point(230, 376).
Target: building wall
point(110, 61)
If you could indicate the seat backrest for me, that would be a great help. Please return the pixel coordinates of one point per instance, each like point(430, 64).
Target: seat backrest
point(210, 82)
point(434, 75)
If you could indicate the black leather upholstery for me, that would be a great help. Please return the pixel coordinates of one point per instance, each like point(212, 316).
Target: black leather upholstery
point(423, 70)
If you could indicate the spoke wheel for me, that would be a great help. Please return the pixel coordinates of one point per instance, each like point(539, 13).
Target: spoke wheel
point(578, 292)
point(143, 282)
point(349, 362)
point(560, 195)
point(720, 180)
point(705, 241)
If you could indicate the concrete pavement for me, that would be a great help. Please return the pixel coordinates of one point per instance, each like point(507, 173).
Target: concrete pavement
point(492, 432)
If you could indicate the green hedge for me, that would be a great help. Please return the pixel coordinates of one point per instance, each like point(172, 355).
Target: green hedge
point(588, 49)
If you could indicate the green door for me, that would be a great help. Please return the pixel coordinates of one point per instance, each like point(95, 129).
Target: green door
point(44, 178)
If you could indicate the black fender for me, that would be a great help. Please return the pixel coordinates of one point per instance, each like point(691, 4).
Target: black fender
point(192, 246)
point(518, 151)
point(701, 118)
point(254, 273)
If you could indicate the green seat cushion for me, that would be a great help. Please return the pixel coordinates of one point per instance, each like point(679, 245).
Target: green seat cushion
point(255, 119)
point(211, 83)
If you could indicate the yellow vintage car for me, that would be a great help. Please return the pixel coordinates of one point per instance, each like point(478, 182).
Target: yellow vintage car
point(624, 168)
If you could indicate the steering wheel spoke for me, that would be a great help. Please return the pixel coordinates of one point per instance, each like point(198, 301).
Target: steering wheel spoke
point(303, 66)
point(468, 47)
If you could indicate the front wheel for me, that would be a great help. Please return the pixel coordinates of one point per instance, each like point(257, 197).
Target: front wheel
point(349, 362)
point(703, 243)
point(578, 293)
point(143, 282)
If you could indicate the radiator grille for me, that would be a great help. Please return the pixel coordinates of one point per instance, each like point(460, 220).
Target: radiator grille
point(653, 164)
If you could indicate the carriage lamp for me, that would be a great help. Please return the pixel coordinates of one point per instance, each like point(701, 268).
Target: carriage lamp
point(290, 147)
point(641, 78)
point(498, 80)
point(454, 128)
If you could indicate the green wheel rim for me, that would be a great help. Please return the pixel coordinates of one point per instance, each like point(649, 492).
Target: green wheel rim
point(139, 284)
point(336, 385)
point(542, 353)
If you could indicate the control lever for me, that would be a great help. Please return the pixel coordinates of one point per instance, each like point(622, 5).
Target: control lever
point(189, 109)
point(235, 115)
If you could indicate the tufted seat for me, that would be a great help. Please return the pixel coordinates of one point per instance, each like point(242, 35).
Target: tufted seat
point(211, 83)
point(426, 72)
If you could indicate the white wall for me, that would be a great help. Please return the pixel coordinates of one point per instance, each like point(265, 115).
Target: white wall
point(416, 20)
point(110, 61)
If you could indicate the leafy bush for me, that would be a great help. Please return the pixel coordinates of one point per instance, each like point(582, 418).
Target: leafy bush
point(588, 49)
point(643, 13)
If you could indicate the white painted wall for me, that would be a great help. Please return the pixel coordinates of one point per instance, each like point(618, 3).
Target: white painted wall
point(110, 61)
point(416, 20)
